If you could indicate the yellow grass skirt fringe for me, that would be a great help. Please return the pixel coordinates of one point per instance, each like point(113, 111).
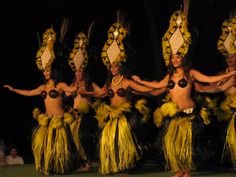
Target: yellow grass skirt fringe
point(51, 144)
point(226, 112)
point(119, 149)
point(78, 113)
point(230, 142)
point(177, 139)
point(178, 149)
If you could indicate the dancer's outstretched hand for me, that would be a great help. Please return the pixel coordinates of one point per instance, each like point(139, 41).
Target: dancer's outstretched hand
point(9, 87)
point(136, 78)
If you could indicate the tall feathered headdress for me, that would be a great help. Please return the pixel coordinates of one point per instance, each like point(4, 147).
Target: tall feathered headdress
point(227, 41)
point(45, 55)
point(177, 38)
point(78, 59)
point(114, 51)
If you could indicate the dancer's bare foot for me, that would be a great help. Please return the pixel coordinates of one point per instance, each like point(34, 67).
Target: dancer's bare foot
point(186, 174)
point(122, 174)
point(88, 167)
point(178, 174)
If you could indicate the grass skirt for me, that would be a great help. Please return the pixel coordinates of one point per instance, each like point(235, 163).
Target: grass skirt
point(179, 134)
point(52, 144)
point(119, 148)
point(227, 112)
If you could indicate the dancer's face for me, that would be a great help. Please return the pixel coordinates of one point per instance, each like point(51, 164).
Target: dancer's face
point(78, 74)
point(47, 73)
point(176, 60)
point(231, 60)
point(115, 69)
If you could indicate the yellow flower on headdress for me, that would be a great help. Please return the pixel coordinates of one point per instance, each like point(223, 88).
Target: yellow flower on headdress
point(78, 59)
point(227, 41)
point(177, 38)
point(113, 51)
point(45, 55)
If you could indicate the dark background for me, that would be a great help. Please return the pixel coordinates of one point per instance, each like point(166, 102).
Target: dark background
point(21, 21)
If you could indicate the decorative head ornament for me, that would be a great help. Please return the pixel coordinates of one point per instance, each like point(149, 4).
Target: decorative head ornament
point(227, 41)
point(114, 51)
point(45, 55)
point(78, 59)
point(177, 38)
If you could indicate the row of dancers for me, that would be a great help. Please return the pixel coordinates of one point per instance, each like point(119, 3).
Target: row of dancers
point(61, 140)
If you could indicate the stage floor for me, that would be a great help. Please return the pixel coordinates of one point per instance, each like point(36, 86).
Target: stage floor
point(147, 170)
